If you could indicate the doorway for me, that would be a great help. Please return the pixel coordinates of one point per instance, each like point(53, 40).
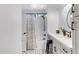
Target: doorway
point(34, 33)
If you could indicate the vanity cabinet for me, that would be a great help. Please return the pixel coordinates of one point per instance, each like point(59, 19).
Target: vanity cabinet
point(55, 45)
point(58, 47)
point(66, 50)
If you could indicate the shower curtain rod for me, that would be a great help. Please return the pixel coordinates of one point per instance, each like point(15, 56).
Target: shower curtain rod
point(36, 13)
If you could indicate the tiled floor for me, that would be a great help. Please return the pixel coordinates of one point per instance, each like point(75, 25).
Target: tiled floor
point(35, 52)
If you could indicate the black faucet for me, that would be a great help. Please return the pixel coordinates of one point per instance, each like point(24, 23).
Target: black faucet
point(65, 31)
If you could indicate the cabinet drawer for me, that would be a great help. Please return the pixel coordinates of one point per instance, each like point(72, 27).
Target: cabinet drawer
point(66, 50)
point(56, 47)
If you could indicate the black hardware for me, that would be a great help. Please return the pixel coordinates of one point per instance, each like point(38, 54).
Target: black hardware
point(72, 25)
point(65, 51)
point(72, 8)
point(44, 34)
point(24, 33)
point(55, 49)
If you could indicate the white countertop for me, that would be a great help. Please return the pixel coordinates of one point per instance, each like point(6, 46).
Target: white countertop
point(62, 39)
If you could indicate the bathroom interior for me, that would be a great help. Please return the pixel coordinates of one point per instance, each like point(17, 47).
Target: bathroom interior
point(47, 28)
point(39, 29)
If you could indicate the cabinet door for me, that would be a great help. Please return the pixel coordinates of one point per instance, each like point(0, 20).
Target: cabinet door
point(56, 47)
point(66, 50)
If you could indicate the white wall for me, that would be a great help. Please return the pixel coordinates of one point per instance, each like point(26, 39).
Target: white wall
point(52, 16)
point(10, 29)
point(52, 20)
point(75, 36)
point(62, 17)
point(75, 33)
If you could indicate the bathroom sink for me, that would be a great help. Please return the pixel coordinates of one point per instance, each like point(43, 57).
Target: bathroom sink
point(63, 39)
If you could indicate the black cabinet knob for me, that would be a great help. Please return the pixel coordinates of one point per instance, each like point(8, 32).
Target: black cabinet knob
point(44, 38)
point(55, 49)
point(24, 33)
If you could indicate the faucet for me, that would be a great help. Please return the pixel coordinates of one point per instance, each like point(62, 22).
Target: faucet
point(69, 34)
point(65, 32)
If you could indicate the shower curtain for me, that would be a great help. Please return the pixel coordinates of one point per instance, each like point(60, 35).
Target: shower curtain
point(39, 28)
point(35, 29)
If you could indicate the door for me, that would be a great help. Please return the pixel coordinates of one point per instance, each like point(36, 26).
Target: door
point(24, 38)
point(30, 30)
point(28, 42)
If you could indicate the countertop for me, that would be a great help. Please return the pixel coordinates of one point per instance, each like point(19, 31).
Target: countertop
point(62, 39)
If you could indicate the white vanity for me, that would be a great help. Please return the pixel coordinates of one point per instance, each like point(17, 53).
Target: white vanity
point(61, 44)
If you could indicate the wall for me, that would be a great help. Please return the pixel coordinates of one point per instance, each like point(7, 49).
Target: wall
point(62, 17)
point(75, 33)
point(52, 16)
point(10, 29)
point(52, 20)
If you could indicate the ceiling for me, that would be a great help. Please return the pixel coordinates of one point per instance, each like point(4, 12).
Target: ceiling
point(55, 6)
point(44, 6)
